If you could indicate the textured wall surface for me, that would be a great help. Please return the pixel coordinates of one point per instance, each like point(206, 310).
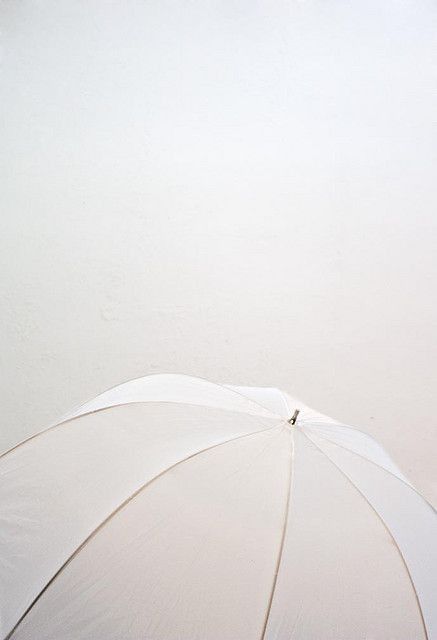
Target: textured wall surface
point(239, 190)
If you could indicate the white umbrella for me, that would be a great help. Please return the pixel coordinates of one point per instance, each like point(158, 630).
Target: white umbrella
point(172, 508)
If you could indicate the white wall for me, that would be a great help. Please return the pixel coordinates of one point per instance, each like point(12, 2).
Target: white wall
point(240, 190)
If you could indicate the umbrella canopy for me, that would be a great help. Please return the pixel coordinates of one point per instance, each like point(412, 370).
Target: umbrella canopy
point(172, 508)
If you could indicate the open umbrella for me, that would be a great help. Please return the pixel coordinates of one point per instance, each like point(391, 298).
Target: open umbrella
point(172, 508)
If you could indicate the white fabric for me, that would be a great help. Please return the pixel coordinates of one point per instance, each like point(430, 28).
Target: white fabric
point(165, 566)
point(172, 508)
point(410, 519)
point(174, 388)
point(353, 440)
point(268, 397)
point(340, 574)
point(58, 487)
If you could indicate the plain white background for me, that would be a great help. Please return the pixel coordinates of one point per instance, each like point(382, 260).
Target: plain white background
point(243, 191)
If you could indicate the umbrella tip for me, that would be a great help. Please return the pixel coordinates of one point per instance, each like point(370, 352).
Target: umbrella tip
point(293, 418)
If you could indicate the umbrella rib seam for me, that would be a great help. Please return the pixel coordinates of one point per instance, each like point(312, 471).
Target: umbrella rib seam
point(284, 402)
point(120, 507)
point(376, 464)
point(183, 375)
point(123, 404)
point(283, 536)
point(381, 519)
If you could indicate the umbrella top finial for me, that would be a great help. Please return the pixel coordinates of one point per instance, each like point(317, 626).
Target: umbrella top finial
point(293, 418)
